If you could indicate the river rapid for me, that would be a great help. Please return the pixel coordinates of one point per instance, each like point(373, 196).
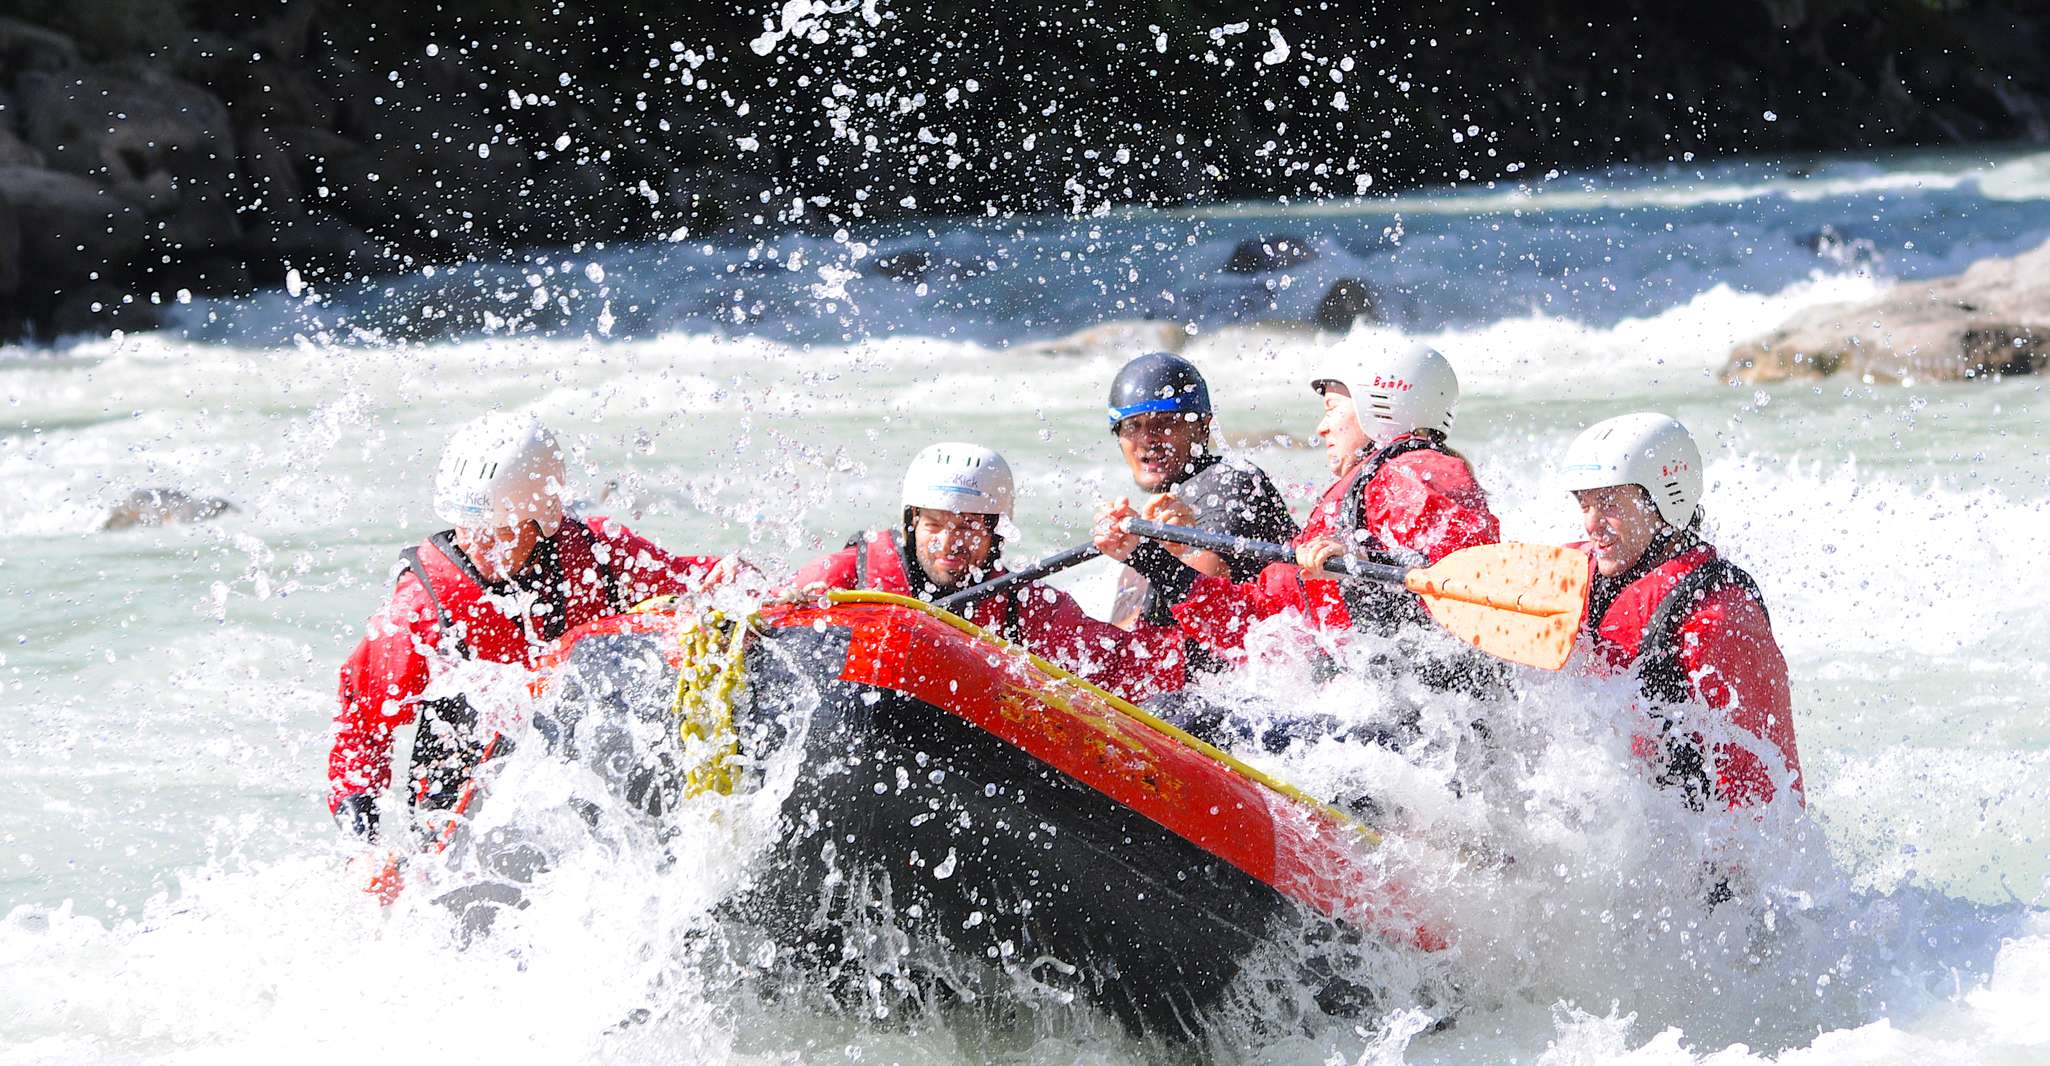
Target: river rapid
point(174, 891)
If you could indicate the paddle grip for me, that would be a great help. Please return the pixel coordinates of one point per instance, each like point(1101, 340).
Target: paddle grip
point(1351, 566)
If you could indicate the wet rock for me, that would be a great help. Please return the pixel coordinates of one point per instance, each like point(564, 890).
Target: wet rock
point(1993, 320)
point(10, 249)
point(1263, 255)
point(315, 243)
point(1117, 339)
point(1347, 301)
point(223, 273)
point(313, 146)
point(270, 175)
point(714, 197)
point(15, 152)
point(569, 199)
point(161, 143)
point(418, 179)
point(159, 507)
point(25, 48)
point(134, 126)
point(98, 308)
point(81, 226)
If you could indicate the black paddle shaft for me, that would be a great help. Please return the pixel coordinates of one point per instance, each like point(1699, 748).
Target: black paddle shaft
point(1344, 566)
point(1052, 564)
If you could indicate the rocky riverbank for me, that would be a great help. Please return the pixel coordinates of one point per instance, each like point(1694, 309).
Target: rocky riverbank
point(153, 149)
point(1991, 321)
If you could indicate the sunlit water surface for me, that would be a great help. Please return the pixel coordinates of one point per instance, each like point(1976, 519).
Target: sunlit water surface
point(175, 892)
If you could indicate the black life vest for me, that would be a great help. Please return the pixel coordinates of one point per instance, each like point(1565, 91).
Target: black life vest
point(1376, 607)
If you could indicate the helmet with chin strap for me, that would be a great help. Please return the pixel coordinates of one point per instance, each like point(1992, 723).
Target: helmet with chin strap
point(1397, 388)
point(1647, 449)
point(500, 470)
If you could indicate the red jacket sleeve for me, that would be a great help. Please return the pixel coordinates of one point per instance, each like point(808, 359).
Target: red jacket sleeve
point(1134, 665)
point(381, 683)
point(644, 569)
point(835, 571)
point(1217, 612)
point(1733, 662)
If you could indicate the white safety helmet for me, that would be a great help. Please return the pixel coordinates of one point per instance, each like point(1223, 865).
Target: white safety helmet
point(1646, 449)
point(500, 470)
point(962, 478)
point(1399, 388)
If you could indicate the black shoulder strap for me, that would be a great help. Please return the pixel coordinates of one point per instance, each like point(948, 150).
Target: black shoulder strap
point(1356, 493)
point(1014, 629)
point(1658, 651)
point(1374, 607)
point(448, 626)
point(861, 549)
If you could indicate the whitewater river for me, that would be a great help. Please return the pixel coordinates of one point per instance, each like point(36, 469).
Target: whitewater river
point(174, 891)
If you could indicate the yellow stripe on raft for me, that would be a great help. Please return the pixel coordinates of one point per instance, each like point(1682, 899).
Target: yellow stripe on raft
point(1211, 751)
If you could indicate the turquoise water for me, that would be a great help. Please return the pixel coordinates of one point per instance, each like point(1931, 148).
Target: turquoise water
point(177, 892)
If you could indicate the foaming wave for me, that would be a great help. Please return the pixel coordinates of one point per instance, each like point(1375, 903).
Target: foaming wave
point(1579, 886)
point(1676, 189)
point(1683, 347)
point(1880, 565)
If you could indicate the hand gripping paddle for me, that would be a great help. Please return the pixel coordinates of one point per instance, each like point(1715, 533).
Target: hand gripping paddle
point(1520, 602)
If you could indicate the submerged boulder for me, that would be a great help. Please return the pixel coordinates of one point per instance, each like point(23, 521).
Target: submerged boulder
point(1993, 320)
point(160, 507)
point(1347, 301)
point(1263, 255)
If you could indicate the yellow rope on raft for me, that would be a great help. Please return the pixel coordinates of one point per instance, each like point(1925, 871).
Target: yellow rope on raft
point(1131, 710)
point(712, 665)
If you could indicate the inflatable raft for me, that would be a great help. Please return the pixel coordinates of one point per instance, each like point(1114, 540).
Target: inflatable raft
point(966, 795)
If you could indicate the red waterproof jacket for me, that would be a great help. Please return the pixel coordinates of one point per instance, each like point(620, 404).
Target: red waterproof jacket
point(1135, 665)
point(1697, 632)
point(587, 569)
point(1416, 497)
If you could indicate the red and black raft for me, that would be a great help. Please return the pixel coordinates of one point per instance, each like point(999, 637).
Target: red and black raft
point(955, 792)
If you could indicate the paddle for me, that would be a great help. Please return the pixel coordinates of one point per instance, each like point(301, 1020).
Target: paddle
point(1520, 602)
point(1052, 564)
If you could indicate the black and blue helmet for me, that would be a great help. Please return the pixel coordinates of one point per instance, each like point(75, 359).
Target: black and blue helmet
point(1158, 381)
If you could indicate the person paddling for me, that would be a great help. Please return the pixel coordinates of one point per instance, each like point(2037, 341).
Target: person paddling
point(513, 574)
point(1160, 415)
point(1691, 625)
point(948, 538)
point(1399, 492)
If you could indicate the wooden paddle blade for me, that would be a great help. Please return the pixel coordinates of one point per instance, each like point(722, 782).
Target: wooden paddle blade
point(1520, 602)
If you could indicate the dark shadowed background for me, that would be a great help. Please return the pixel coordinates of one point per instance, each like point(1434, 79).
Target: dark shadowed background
point(153, 146)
